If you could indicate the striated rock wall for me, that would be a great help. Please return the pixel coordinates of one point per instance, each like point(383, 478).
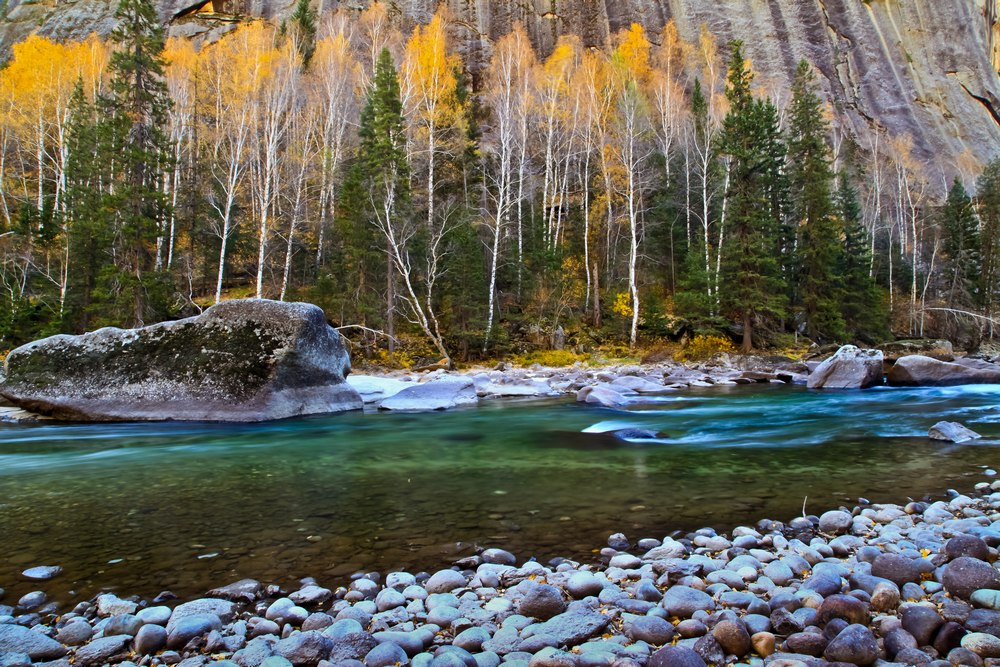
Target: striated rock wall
point(925, 68)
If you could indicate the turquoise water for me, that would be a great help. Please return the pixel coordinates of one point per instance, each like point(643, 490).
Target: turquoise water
point(141, 508)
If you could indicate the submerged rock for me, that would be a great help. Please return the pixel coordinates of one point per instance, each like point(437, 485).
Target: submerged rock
point(920, 371)
point(849, 368)
point(243, 360)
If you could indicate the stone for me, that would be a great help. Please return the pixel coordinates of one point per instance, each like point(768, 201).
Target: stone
point(304, 648)
point(442, 394)
point(683, 601)
point(601, 395)
point(921, 371)
point(123, 624)
point(542, 601)
point(572, 627)
point(982, 644)
point(650, 629)
point(111, 605)
point(498, 557)
point(896, 568)
point(846, 607)
point(676, 656)
point(584, 584)
point(374, 389)
point(472, 639)
point(984, 620)
point(948, 637)
point(987, 598)
point(952, 432)
point(732, 637)
point(885, 596)
point(921, 622)
point(855, 644)
point(244, 590)
point(386, 654)
point(183, 630)
point(350, 646)
point(939, 349)
point(156, 615)
point(99, 651)
point(849, 368)
point(150, 639)
point(964, 575)
point(240, 360)
point(445, 581)
point(966, 545)
point(42, 572)
point(74, 633)
point(806, 643)
point(763, 643)
point(835, 522)
point(19, 639)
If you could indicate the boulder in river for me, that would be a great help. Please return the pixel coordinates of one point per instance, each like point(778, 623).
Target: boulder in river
point(939, 349)
point(849, 368)
point(244, 360)
point(952, 432)
point(919, 371)
point(439, 394)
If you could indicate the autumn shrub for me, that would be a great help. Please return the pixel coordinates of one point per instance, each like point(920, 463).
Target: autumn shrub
point(705, 347)
point(548, 358)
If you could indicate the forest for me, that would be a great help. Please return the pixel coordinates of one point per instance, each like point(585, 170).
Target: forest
point(651, 191)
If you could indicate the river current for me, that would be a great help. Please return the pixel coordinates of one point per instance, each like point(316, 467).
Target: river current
point(143, 508)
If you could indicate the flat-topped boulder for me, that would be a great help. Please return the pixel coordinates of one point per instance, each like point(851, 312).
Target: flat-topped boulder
point(920, 371)
point(244, 360)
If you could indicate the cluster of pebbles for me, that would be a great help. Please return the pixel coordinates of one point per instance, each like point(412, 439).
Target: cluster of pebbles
point(877, 584)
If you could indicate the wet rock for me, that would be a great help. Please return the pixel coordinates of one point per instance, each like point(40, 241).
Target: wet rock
point(42, 572)
point(18, 639)
point(856, 645)
point(498, 557)
point(952, 432)
point(604, 396)
point(244, 590)
point(124, 624)
point(240, 360)
point(101, 650)
point(676, 656)
point(650, 629)
point(150, 639)
point(849, 368)
point(75, 633)
point(963, 576)
point(183, 630)
point(304, 648)
point(32, 601)
point(683, 601)
point(542, 601)
point(440, 394)
point(835, 522)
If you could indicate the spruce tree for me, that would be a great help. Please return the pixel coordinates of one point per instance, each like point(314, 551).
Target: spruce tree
point(862, 306)
point(752, 290)
point(304, 18)
point(131, 128)
point(988, 204)
point(810, 179)
point(961, 246)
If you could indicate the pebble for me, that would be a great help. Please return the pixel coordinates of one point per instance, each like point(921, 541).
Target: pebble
point(42, 572)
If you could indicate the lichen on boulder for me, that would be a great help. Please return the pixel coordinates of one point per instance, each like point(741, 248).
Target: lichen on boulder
point(243, 360)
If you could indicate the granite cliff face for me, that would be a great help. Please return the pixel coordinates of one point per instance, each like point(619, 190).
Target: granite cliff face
point(924, 68)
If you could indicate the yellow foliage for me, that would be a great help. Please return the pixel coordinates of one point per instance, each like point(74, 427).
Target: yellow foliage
point(705, 347)
point(428, 74)
point(633, 53)
point(549, 358)
point(622, 305)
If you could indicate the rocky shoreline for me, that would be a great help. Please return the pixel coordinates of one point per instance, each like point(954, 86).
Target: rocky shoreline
point(872, 584)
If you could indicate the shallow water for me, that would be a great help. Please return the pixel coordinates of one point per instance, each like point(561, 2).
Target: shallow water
point(141, 508)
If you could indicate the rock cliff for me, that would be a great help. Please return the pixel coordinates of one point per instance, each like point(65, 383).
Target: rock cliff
point(924, 68)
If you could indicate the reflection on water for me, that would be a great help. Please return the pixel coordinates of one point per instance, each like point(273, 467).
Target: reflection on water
point(184, 507)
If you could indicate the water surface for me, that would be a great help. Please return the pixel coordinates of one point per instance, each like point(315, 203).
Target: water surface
point(141, 508)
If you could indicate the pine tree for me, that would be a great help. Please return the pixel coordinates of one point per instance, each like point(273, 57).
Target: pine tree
point(861, 304)
point(134, 116)
point(377, 187)
point(988, 204)
point(811, 181)
point(961, 246)
point(304, 19)
point(752, 290)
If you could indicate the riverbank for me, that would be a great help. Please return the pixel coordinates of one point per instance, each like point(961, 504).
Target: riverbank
point(907, 584)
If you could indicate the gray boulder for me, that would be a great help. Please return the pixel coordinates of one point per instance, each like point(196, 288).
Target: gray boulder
point(935, 348)
point(244, 360)
point(434, 395)
point(920, 371)
point(952, 432)
point(849, 368)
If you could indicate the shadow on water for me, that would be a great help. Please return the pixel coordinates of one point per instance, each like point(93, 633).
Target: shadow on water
point(181, 506)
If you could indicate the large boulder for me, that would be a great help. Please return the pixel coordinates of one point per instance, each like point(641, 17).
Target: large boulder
point(919, 371)
point(939, 349)
point(244, 360)
point(849, 368)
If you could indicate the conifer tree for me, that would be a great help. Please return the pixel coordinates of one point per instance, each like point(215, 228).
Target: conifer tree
point(304, 20)
point(988, 204)
point(861, 304)
point(132, 128)
point(961, 245)
point(811, 182)
point(752, 290)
